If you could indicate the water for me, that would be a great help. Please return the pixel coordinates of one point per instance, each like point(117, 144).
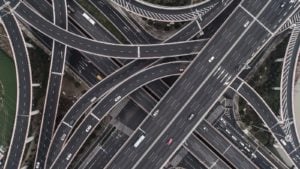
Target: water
point(7, 97)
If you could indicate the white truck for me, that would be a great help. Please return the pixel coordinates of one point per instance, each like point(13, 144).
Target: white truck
point(87, 17)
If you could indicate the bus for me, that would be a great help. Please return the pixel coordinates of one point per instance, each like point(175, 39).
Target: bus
point(88, 18)
point(138, 142)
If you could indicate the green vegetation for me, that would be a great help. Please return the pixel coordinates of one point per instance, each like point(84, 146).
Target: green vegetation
point(268, 76)
point(8, 96)
point(102, 19)
point(170, 2)
point(250, 118)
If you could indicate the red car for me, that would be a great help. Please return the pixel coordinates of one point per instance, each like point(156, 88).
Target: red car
point(170, 141)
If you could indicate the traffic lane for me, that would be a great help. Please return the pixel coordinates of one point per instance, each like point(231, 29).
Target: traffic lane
point(260, 106)
point(82, 133)
point(98, 47)
point(132, 84)
point(185, 33)
point(60, 10)
point(109, 149)
point(266, 115)
point(107, 103)
point(119, 21)
point(43, 7)
point(170, 11)
point(58, 57)
point(83, 103)
point(180, 126)
point(202, 68)
point(234, 156)
point(97, 31)
point(190, 162)
point(254, 6)
point(201, 151)
point(130, 156)
point(143, 100)
point(49, 116)
point(246, 48)
point(186, 87)
point(220, 164)
point(19, 136)
point(276, 13)
point(295, 156)
point(212, 136)
point(236, 83)
point(157, 88)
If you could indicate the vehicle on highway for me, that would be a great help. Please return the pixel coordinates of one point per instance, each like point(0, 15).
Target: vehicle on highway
point(99, 77)
point(88, 18)
point(170, 141)
point(282, 4)
point(63, 137)
point(211, 59)
point(138, 142)
point(88, 128)
point(155, 113)
point(246, 24)
point(191, 116)
point(93, 99)
point(37, 166)
point(283, 142)
point(117, 98)
point(69, 156)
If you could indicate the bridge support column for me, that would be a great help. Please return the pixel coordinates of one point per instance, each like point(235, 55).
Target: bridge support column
point(29, 139)
point(36, 85)
point(35, 112)
point(276, 88)
point(279, 60)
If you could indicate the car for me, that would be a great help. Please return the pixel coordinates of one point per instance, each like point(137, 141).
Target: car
point(88, 128)
point(282, 4)
point(69, 156)
point(211, 59)
point(191, 116)
point(62, 138)
point(37, 165)
point(117, 98)
point(170, 141)
point(155, 113)
point(246, 24)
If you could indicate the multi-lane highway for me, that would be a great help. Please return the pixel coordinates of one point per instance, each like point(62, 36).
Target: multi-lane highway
point(54, 85)
point(109, 101)
point(174, 111)
point(248, 37)
point(24, 92)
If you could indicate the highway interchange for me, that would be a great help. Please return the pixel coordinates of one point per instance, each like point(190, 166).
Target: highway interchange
point(176, 114)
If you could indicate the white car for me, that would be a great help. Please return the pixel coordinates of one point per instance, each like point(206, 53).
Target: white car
point(69, 156)
point(191, 116)
point(37, 165)
point(62, 138)
point(88, 128)
point(246, 24)
point(155, 113)
point(117, 98)
point(211, 59)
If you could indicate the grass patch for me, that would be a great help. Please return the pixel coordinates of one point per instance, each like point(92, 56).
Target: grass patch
point(268, 76)
point(102, 19)
point(8, 94)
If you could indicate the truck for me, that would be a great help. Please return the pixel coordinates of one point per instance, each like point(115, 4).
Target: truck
point(138, 142)
point(87, 17)
point(93, 99)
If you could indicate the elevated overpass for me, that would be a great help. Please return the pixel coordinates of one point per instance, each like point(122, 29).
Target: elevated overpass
point(169, 14)
point(24, 92)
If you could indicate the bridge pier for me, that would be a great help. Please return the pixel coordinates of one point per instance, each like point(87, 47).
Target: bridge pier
point(29, 139)
point(35, 112)
point(36, 85)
